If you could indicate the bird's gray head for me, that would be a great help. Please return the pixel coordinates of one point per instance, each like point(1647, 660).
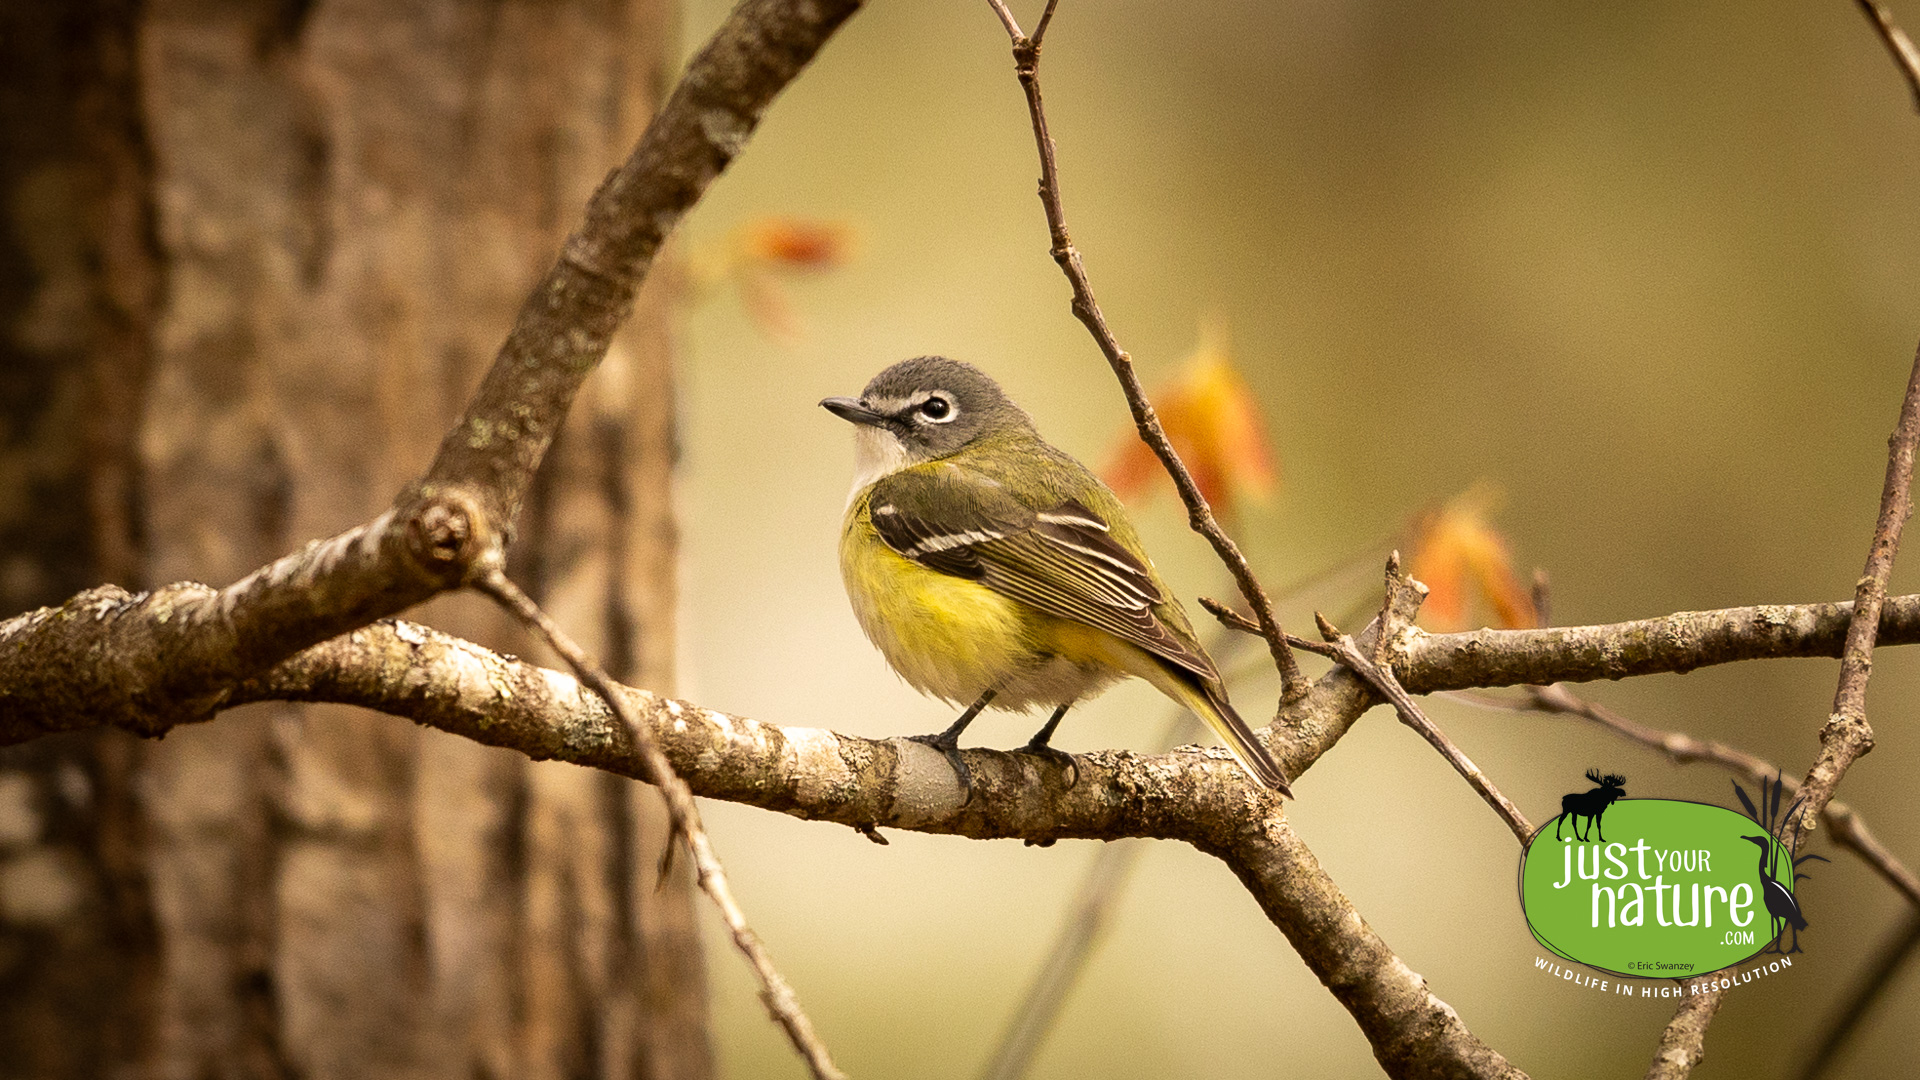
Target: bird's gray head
point(921, 410)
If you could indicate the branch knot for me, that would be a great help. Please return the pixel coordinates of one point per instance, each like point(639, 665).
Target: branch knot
point(447, 533)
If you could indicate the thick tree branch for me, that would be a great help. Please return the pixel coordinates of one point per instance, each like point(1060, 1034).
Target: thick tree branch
point(1198, 796)
point(445, 682)
point(396, 667)
point(1429, 663)
point(150, 661)
point(1194, 795)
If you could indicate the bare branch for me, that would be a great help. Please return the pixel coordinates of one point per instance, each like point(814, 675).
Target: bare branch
point(1382, 680)
point(148, 661)
point(1026, 65)
point(1898, 43)
point(1681, 642)
point(1682, 1041)
point(1086, 918)
point(1845, 737)
point(685, 815)
point(1233, 620)
point(1199, 796)
point(1845, 1018)
point(435, 679)
point(1006, 18)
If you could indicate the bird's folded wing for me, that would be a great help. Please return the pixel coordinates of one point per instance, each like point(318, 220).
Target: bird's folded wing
point(1062, 560)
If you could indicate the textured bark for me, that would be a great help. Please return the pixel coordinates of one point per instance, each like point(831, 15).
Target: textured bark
point(313, 227)
point(77, 281)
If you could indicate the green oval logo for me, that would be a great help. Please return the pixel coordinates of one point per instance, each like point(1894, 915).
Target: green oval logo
point(1655, 888)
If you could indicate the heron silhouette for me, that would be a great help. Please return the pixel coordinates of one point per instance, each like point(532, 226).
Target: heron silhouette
point(1781, 905)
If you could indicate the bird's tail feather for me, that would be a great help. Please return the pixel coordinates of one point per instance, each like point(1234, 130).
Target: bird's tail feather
point(1209, 703)
point(1246, 746)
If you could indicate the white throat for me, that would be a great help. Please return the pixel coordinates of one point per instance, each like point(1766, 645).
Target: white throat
point(877, 453)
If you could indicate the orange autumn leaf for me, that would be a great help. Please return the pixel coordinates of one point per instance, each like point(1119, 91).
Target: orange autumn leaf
point(1459, 555)
point(795, 243)
point(759, 257)
point(1213, 422)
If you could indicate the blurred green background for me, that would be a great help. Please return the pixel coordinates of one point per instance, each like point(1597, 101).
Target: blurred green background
point(1650, 267)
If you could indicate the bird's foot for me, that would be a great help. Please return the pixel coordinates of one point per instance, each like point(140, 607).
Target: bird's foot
point(948, 744)
point(1058, 757)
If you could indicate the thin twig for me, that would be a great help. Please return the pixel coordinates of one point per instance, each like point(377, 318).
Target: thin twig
point(1341, 648)
point(681, 809)
point(1845, 1019)
point(1845, 736)
point(1006, 18)
point(1901, 46)
point(1233, 620)
point(1026, 64)
point(1092, 906)
point(1382, 680)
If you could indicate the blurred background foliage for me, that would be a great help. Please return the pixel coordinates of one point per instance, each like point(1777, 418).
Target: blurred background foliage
point(1647, 270)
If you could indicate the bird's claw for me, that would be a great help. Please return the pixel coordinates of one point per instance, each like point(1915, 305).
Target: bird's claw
point(1058, 757)
point(950, 748)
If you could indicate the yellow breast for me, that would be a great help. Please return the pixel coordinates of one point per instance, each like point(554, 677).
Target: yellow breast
point(945, 635)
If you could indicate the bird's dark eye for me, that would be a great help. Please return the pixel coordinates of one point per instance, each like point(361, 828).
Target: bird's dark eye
point(936, 408)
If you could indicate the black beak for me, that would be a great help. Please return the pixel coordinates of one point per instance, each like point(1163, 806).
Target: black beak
point(847, 408)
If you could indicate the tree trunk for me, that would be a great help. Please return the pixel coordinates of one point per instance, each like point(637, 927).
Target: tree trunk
point(260, 253)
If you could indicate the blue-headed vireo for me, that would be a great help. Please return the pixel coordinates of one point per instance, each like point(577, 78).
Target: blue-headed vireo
point(989, 567)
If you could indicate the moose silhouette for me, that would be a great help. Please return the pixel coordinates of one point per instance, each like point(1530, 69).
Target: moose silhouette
point(1590, 804)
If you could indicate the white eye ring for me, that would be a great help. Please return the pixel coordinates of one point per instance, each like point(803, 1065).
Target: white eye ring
point(938, 409)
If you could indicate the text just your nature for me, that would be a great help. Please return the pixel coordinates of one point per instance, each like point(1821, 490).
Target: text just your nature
point(1626, 904)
